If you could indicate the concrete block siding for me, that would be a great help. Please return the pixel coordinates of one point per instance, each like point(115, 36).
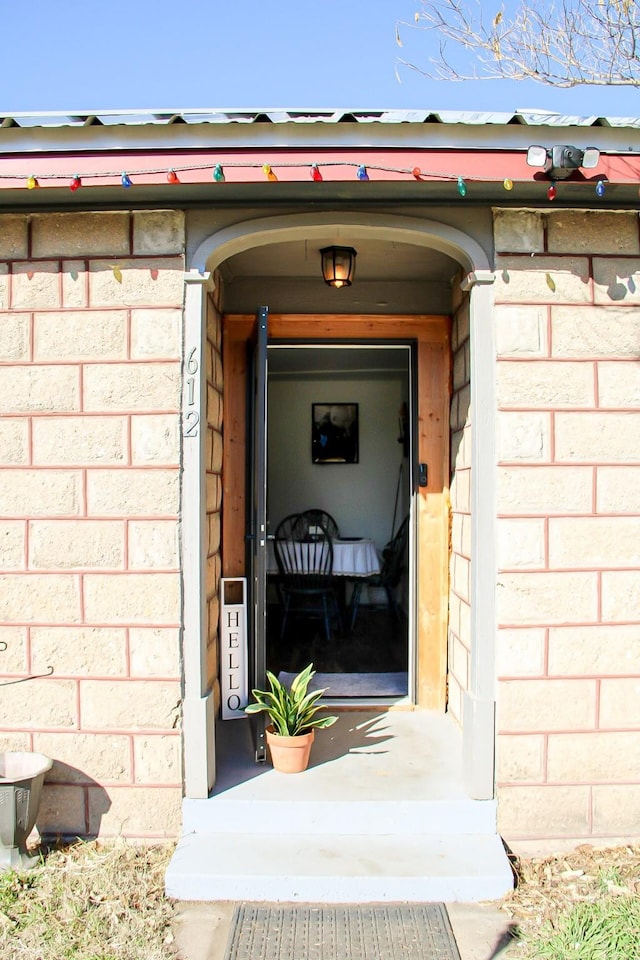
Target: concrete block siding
point(91, 352)
point(567, 327)
point(91, 355)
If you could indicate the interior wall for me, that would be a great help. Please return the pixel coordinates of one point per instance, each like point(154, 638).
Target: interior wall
point(360, 496)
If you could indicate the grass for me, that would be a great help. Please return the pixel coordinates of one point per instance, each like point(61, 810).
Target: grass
point(105, 901)
point(606, 930)
point(88, 901)
point(584, 905)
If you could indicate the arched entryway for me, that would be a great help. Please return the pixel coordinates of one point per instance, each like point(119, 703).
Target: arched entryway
point(471, 265)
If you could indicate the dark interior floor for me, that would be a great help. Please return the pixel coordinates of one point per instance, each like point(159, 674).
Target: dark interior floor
point(377, 644)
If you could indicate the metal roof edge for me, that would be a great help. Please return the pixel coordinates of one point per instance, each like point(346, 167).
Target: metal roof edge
point(223, 115)
point(30, 134)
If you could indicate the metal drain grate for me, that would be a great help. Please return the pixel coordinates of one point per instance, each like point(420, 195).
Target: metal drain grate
point(321, 932)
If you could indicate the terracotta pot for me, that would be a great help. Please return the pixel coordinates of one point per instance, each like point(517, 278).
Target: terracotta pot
point(289, 754)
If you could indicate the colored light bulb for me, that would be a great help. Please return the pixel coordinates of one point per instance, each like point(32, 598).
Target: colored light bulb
point(126, 180)
point(551, 191)
point(32, 183)
point(315, 172)
point(462, 187)
point(218, 173)
point(416, 172)
point(76, 183)
point(362, 173)
point(600, 188)
point(268, 172)
point(507, 183)
point(172, 177)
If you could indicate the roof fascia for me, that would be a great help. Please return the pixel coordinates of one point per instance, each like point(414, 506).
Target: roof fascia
point(458, 136)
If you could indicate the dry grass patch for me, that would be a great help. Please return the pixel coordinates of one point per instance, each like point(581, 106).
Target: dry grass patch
point(88, 901)
point(577, 904)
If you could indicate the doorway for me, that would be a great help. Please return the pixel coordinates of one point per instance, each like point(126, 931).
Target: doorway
point(339, 450)
point(428, 336)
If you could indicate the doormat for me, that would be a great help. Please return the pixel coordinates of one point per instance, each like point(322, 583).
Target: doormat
point(419, 931)
point(356, 684)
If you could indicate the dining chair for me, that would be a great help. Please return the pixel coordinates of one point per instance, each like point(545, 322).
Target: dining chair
point(395, 556)
point(307, 583)
point(318, 518)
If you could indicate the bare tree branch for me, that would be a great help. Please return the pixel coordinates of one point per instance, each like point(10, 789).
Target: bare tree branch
point(564, 43)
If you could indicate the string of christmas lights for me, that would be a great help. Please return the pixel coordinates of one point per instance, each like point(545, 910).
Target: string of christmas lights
point(362, 172)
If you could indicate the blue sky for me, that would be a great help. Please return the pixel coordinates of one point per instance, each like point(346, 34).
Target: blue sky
point(279, 53)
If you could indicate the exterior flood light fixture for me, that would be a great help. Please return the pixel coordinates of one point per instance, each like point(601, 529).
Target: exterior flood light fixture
point(562, 160)
point(338, 265)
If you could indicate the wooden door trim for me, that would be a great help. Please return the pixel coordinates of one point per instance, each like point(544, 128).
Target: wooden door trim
point(432, 335)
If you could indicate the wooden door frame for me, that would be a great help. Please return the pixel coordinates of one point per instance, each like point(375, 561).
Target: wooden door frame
point(431, 333)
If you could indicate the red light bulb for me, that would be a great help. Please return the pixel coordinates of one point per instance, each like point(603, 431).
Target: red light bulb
point(315, 172)
point(416, 172)
point(75, 184)
point(551, 192)
point(172, 177)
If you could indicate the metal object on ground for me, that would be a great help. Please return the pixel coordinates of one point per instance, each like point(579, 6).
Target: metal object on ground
point(341, 932)
point(21, 779)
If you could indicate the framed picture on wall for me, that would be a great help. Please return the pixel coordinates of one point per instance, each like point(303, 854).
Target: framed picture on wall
point(334, 432)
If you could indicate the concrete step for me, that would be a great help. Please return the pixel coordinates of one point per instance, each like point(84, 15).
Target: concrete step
point(380, 815)
point(316, 816)
point(338, 868)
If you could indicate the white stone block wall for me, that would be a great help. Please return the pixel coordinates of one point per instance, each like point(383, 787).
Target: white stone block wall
point(567, 325)
point(90, 350)
point(459, 631)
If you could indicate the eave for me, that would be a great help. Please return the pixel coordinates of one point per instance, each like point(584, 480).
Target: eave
point(424, 175)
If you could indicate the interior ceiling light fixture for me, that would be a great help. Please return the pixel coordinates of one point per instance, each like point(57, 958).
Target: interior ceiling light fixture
point(562, 160)
point(338, 265)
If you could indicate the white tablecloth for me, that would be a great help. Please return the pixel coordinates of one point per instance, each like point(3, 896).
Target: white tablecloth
point(351, 558)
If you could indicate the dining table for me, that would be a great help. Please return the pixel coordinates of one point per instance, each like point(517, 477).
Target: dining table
point(353, 557)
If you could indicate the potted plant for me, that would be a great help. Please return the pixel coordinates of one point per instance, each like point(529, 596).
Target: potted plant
point(293, 715)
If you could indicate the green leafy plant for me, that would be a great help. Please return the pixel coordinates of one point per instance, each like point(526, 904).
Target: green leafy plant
point(608, 929)
point(292, 711)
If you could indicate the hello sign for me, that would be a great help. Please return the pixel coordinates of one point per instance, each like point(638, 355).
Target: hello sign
point(233, 647)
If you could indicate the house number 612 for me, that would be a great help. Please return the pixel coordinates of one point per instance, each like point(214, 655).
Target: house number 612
point(191, 418)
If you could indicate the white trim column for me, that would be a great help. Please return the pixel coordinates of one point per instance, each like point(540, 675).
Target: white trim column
point(197, 707)
point(479, 703)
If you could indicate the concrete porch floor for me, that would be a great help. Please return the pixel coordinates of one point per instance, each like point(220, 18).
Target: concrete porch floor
point(383, 798)
point(369, 754)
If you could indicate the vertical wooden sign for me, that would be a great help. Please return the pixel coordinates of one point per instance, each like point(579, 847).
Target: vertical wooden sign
point(233, 647)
